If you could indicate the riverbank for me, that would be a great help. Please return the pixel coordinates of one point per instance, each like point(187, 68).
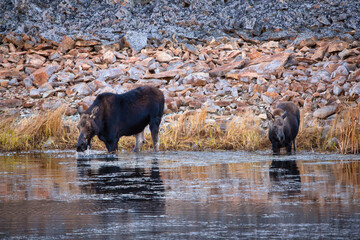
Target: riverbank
point(193, 130)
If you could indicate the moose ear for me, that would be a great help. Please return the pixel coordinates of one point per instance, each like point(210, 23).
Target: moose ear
point(283, 116)
point(269, 115)
point(94, 111)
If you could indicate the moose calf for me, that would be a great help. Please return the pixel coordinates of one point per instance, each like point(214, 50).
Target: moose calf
point(283, 126)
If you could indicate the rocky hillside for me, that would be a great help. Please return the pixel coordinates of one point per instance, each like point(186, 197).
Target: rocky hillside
point(188, 20)
point(200, 54)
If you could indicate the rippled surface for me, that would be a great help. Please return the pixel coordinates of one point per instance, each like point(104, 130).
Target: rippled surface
point(179, 195)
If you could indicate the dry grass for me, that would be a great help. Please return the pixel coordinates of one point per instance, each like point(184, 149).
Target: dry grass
point(188, 131)
point(347, 130)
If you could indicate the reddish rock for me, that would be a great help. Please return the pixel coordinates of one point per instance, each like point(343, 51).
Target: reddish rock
point(270, 44)
point(10, 103)
point(87, 43)
point(35, 59)
point(4, 83)
point(331, 66)
point(254, 54)
point(109, 57)
point(258, 89)
point(9, 73)
point(14, 58)
point(223, 103)
point(222, 70)
point(269, 97)
point(273, 64)
point(15, 39)
point(308, 104)
point(195, 104)
point(308, 42)
point(289, 95)
point(247, 74)
point(163, 57)
point(28, 104)
point(66, 44)
point(337, 46)
point(70, 111)
point(42, 75)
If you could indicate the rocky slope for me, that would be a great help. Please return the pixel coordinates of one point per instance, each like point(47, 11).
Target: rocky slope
point(189, 20)
point(200, 54)
point(230, 77)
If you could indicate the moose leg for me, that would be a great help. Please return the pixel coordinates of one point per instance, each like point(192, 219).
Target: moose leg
point(288, 148)
point(276, 147)
point(140, 140)
point(276, 150)
point(154, 129)
point(111, 146)
point(294, 143)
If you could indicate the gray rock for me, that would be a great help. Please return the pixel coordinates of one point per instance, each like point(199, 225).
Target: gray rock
point(106, 74)
point(82, 89)
point(136, 40)
point(337, 90)
point(355, 90)
point(322, 19)
point(325, 112)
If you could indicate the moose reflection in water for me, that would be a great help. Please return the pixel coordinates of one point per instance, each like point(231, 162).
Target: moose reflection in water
point(121, 182)
point(285, 178)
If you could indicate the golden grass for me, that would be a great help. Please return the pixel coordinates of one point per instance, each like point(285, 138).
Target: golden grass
point(193, 130)
point(347, 128)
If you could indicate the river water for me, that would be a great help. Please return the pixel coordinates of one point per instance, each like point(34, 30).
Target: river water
point(179, 195)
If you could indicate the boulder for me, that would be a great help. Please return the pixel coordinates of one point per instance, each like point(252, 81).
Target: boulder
point(163, 57)
point(42, 75)
point(135, 40)
point(325, 112)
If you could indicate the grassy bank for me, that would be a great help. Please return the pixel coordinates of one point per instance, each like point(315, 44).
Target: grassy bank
point(189, 131)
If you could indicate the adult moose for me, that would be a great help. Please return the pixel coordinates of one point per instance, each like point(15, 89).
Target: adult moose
point(283, 126)
point(112, 116)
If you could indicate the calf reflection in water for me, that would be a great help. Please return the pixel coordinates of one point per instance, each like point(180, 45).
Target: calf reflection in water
point(125, 183)
point(285, 178)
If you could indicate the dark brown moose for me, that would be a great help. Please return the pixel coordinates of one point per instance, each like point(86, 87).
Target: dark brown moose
point(112, 116)
point(283, 126)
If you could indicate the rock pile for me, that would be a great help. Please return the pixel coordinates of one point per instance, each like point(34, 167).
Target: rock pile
point(144, 21)
point(229, 76)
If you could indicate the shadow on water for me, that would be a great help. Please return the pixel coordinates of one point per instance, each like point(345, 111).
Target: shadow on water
point(285, 177)
point(121, 182)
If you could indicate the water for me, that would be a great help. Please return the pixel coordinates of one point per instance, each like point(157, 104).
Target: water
point(179, 195)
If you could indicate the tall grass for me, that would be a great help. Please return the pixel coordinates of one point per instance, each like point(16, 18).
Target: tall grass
point(39, 131)
point(347, 128)
point(193, 130)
